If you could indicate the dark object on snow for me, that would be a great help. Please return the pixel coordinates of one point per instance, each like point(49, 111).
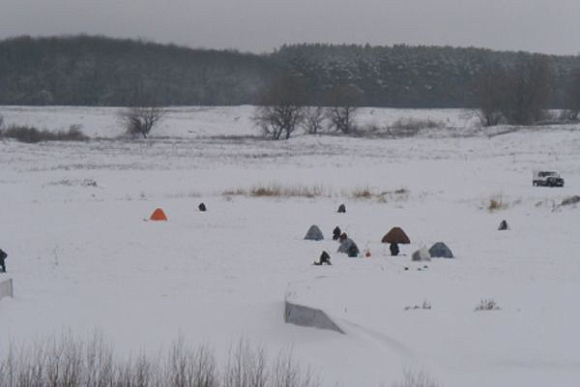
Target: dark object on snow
point(3, 256)
point(396, 235)
point(342, 237)
point(342, 208)
point(314, 234)
point(202, 207)
point(349, 247)
point(352, 250)
point(503, 225)
point(324, 258)
point(571, 200)
point(406, 268)
point(394, 249)
point(336, 233)
point(440, 250)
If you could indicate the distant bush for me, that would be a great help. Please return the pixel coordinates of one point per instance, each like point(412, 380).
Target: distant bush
point(31, 135)
point(487, 304)
point(411, 123)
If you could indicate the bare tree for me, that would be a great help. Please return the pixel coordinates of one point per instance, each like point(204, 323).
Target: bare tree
point(528, 86)
point(281, 110)
point(314, 117)
point(573, 96)
point(343, 105)
point(139, 120)
point(490, 93)
point(517, 95)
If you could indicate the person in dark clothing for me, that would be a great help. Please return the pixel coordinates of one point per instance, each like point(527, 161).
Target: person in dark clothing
point(3, 256)
point(202, 207)
point(336, 233)
point(352, 251)
point(324, 258)
point(394, 249)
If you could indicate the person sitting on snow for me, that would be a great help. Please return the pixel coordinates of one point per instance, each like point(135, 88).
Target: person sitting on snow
point(324, 258)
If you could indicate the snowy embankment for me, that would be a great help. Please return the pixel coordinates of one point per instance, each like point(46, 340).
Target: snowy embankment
point(82, 256)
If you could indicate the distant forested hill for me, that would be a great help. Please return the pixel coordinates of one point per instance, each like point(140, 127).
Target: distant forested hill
point(95, 70)
point(83, 70)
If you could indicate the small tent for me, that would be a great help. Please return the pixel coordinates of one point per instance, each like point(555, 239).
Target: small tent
point(342, 208)
point(396, 235)
point(348, 247)
point(202, 207)
point(421, 255)
point(314, 234)
point(503, 226)
point(158, 214)
point(440, 250)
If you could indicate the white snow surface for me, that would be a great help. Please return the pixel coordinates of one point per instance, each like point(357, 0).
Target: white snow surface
point(83, 257)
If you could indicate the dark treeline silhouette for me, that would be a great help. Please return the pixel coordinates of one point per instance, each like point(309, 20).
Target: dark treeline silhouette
point(410, 76)
point(95, 70)
point(86, 70)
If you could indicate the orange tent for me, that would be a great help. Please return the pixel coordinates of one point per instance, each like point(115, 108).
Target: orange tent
point(158, 214)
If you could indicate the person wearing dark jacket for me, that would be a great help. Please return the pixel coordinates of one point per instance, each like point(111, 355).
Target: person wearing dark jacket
point(394, 249)
point(3, 256)
point(324, 258)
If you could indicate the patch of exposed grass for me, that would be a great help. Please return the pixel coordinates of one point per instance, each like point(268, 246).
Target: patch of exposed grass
point(278, 191)
point(496, 203)
point(362, 193)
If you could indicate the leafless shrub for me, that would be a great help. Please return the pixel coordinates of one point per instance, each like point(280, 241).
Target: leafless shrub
point(413, 125)
point(487, 304)
point(287, 373)
point(313, 119)
point(139, 120)
point(281, 110)
point(246, 367)
point(413, 378)
point(69, 362)
point(31, 135)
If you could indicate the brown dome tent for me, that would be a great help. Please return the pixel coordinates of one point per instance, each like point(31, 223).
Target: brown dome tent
point(396, 235)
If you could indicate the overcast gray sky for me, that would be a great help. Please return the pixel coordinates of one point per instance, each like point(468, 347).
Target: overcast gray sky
point(547, 26)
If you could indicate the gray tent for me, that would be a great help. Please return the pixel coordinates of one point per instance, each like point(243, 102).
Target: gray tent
point(440, 250)
point(314, 233)
point(349, 247)
point(421, 255)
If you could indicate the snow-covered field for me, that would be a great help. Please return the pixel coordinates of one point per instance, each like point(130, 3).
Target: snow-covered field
point(82, 256)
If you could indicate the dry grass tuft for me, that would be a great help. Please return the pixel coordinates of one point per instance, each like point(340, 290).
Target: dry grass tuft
point(278, 191)
point(496, 203)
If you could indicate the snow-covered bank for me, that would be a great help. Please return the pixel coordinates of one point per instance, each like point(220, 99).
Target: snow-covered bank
point(83, 258)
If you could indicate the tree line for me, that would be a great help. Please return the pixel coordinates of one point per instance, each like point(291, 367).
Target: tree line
point(100, 71)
